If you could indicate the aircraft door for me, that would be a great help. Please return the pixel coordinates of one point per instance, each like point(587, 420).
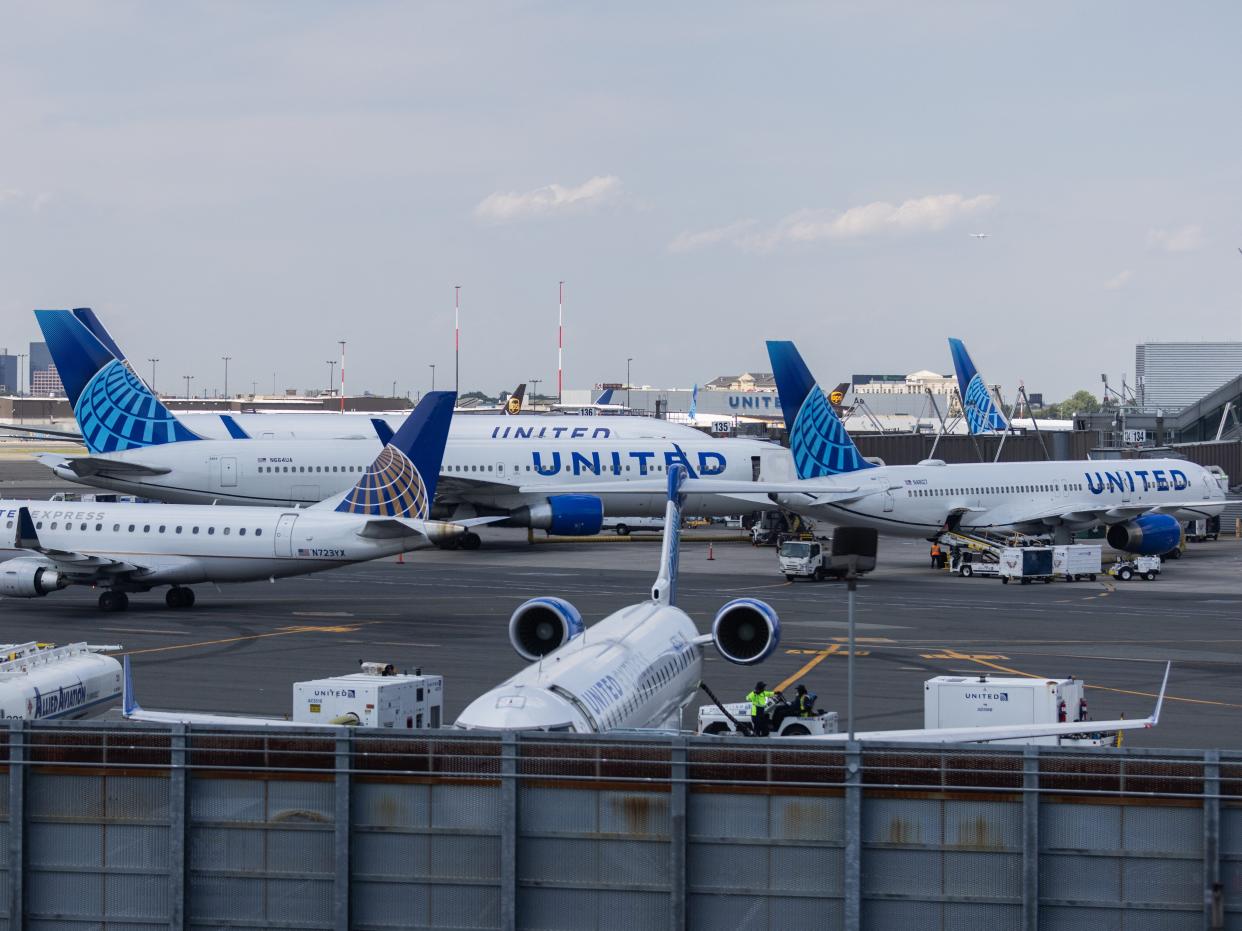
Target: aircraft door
point(888, 501)
point(755, 462)
point(1208, 486)
point(284, 534)
point(228, 472)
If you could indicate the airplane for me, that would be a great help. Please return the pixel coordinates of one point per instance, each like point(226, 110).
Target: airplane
point(982, 413)
point(1141, 503)
point(128, 547)
point(521, 471)
point(637, 668)
point(980, 235)
point(511, 407)
point(602, 404)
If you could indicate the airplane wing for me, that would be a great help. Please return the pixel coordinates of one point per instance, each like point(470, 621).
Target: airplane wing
point(43, 431)
point(86, 466)
point(1108, 515)
point(81, 568)
point(1003, 732)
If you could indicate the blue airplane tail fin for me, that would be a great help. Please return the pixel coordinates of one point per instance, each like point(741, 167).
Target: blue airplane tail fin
point(665, 589)
point(817, 438)
point(129, 703)
point(114, 408)
point(87, 318)
point(605, 397)
point(401, 482)
point(981, 413)
point(694, 402)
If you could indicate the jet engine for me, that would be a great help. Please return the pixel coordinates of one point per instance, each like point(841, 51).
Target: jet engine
point(542, 625)
point(566, 515)
point(1149, 535)
point(746, 631)
point(29, 578)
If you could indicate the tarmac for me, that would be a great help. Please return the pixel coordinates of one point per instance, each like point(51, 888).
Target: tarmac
point(242, 646)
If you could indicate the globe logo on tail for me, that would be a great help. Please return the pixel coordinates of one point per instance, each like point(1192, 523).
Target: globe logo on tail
point(981, 414)
point(391, 487)
point(117, 412)
point(819, 442)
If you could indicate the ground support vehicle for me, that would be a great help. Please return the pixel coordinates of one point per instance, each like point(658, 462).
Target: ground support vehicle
point(1203, 529)
point(982, 701)
point(1145, 567)
point(804, 559)
point(714, 721)
point(1077, 562)
point(1026, 564)
point(967, 562)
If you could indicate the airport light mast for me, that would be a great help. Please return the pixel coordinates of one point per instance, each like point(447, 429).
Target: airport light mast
point(226, 376)
point(342, 342)
point(188, 379)
point(331, 374)
point(153, 391)
point(432, 366)
point(457, 339)
point(627, 380)
point(560, 343)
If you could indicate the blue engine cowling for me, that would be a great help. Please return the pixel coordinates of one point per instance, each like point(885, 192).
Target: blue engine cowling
point(575, 515)
point(746, 631)
point(542, 625)
point(1149, 535)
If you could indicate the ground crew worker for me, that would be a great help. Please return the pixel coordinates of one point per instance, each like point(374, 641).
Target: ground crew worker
point(935, 556)
point(759, 699)
point(780, 710)
point(805, 702)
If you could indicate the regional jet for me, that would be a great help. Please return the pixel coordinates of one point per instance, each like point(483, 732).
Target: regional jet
point(126, 548)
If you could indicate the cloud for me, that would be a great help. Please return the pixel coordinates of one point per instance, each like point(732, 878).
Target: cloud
point(1118, 281)
point(15, 199)
point(688, 242)
point(503, 207)
point(1185, 239)
point(928, 214)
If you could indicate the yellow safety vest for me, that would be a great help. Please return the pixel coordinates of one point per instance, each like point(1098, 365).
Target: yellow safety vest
point(758, 701)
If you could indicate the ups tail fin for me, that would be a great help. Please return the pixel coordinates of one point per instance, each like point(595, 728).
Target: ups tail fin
point(114, 409)
point(514, 403)
point(817, 438)
point(665, 589)
point(981, 413)
point(401, 482)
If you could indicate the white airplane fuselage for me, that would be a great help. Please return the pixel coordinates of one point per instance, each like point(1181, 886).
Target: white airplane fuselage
point(497, 473)
point(637, 668)
point(917, 500)
point(185, 544)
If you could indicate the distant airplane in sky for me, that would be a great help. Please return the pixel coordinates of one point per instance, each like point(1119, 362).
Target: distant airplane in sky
point(979, 235)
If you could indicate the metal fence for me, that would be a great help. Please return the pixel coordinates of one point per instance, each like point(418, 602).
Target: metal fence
point(123, 827)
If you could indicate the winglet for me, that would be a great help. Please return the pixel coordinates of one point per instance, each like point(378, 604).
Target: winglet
point(1155, 718)
point(401, 482)
point(27, 538)
point(817, 438)
point(665, 589)
point(129, 704)
point(981, 413)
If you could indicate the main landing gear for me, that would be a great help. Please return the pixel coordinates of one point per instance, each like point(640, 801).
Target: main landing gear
point(111, 600)
point(179, 597)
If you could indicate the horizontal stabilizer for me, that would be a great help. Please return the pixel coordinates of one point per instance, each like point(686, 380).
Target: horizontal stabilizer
point(86, 466)
point(41, 431)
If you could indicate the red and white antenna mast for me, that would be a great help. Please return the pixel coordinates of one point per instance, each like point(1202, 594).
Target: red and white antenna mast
point(560, 343)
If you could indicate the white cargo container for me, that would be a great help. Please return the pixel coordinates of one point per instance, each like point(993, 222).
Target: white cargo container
point(983, 701)
point(1026, 563)
point(374, 697)
point(1076, 562)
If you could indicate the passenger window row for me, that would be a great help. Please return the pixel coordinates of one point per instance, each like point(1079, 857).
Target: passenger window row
point(146, 528)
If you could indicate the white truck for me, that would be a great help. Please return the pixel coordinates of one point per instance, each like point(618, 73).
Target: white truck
point(1146, 567)
point(1026, 564)
point(714, 722)
point(982, 701)
point(804, 559)
point(967, 562)
point(377, 696)
point(1076, 562)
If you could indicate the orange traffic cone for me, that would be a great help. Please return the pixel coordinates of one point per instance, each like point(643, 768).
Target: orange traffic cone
point(711, 553)
point(401, 558)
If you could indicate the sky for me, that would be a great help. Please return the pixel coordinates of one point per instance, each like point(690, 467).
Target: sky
point(263, 179)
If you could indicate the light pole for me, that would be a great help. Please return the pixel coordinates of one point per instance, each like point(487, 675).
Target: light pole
point(188, 379)
point(534, 391)
point(394, 387)
point(432, 366)
point(21, 364)
point(331, 372)
point(627, 380)
point(342, 342)
point(153, 361)
point(226, 376)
